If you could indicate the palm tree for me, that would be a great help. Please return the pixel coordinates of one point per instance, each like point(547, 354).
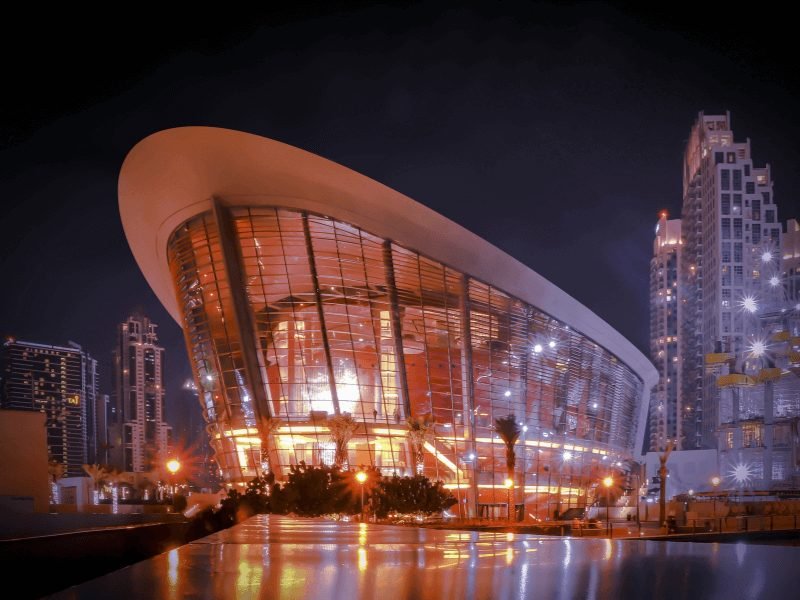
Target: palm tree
point(55, 471)
point(420, 430)
point(508, 430)
point(342, 428)
point(269, 426)
point(97, 473)
point(116, 477)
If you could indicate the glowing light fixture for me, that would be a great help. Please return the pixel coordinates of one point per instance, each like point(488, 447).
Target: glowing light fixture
point(537, 348)
point(757, 348)
point(742, 473)
point(749, 304)
point(766, 256)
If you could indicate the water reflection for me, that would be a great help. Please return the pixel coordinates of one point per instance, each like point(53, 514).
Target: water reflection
point(274, 557)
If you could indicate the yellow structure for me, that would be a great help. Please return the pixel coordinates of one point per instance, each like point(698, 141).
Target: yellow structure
point(23, 461)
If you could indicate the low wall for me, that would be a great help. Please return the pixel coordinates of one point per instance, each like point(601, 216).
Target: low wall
point(46, 564)
point(40, 524)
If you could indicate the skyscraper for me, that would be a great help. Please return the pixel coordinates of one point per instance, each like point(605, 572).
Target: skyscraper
point(139, 436)
point(60, 382)
point(664, 407)
point(791, 261)
point(729, 266)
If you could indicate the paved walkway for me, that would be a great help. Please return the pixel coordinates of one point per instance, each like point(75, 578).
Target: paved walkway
point(278, 557)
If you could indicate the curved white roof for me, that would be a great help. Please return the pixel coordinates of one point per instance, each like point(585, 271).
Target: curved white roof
point(172, 176)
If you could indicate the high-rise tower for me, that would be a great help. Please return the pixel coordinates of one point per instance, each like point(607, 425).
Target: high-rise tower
point(729, 267)
point(61, 382)
point(664, 407)
point(138, 434)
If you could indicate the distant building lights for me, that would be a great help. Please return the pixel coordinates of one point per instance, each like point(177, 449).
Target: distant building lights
point(507, 393)
point(766, 256)
point(552, 343)
point(774, 281)
point(567, 455)
point(537, 348)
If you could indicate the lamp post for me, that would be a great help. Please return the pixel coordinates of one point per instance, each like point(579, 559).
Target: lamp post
point(173, 466)
point(509, 483)
point(608, 482)
point(361, 477)
point(715, 481)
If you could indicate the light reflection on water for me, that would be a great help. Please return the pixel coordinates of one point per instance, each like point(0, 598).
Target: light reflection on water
point(284, 558)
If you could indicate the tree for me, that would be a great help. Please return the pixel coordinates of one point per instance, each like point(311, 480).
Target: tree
point(116, 477)
point(508, 430)
point(315, 491)
point(97, 473)
point(342, 428)
point(269, 426)
point(256, 498)
point(410, 495)
point(420, 430)
point(55, 471)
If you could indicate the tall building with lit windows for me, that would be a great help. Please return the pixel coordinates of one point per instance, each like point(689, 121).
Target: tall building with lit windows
point(308, 292)
point(61, 382)
point(790, 246)
point(139, 437)
point(665, 412)
point(729, 266)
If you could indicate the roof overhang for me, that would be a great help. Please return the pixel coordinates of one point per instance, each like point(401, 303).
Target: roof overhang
point(172, 175)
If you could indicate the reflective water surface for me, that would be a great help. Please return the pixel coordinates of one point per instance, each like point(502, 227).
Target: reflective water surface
point(278, 557)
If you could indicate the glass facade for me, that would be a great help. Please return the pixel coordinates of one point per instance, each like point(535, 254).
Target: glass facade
point(300, 317)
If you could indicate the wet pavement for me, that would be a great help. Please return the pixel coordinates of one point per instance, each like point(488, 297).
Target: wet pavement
point(278, 557)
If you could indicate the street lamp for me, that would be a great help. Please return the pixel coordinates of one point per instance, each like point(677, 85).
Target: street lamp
point(608, 482)
point(715, 481)
point(509, 483)
point(173, 466)
point(361, 477)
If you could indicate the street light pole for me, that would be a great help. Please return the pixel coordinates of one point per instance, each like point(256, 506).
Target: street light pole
point(662, 475)
point(608, 482)
point(509, 483)
point(361, 477)
point(715, 481)
point(173, 466)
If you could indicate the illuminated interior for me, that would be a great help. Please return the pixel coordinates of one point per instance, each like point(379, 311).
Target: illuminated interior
point(325, 319)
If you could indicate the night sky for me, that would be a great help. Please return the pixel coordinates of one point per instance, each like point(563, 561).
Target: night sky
point(556, 132)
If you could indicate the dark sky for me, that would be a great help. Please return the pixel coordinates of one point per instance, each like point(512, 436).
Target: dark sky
point(554, 131)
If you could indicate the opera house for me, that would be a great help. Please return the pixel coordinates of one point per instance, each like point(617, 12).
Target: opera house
point(306, 291)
